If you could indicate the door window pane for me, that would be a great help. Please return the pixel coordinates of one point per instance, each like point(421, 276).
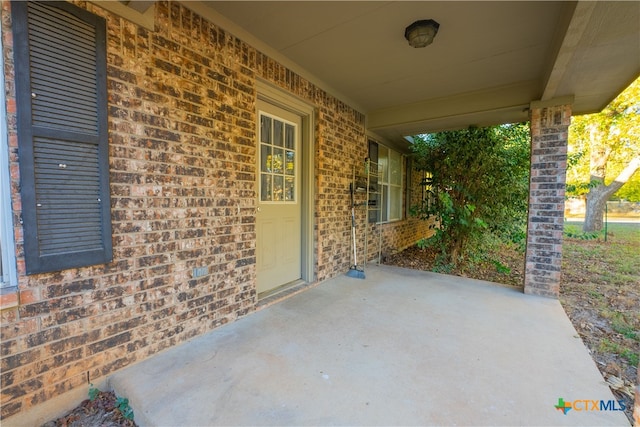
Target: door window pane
point(277, 161)
point(278, 135)
point(289, 189)
point(290, 135)
point(265, 158)
point(290, 163)
point(265, 129)
point(278, 188)
point(278, 169)
point(265, 187)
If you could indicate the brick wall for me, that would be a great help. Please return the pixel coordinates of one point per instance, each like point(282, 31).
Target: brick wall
point(183, 194)
point(549, 127)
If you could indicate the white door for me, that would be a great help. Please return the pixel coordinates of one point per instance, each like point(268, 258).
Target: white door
point(278, 216)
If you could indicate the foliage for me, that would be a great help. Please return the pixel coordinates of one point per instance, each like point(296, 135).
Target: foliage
point(501, 268)
point(577, 233)
point(477, 183)
point(93, 392)
point(613, 135)
point(612, 347)
point(122, 403)
point(422, 243)
point(620, 324)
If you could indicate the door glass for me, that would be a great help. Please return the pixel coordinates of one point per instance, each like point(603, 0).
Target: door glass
point(289, 189)
point(265, 156)
point(265, 186)
point(278, 136)
point(290, 163)
point(265, 129)
point(290, 136)
point(277, 161)
point(278, 188)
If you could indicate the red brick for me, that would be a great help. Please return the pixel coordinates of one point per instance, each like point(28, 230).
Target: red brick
point(8, 300)
point(182, 160)
point(27, 297)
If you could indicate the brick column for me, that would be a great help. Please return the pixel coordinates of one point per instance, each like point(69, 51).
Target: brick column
point(549, 134)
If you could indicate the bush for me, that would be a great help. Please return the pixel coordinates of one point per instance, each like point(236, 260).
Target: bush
point(477, 183)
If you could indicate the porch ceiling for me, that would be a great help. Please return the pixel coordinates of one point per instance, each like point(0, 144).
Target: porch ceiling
point(489, 60)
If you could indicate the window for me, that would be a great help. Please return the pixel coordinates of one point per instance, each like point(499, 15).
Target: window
point(8, 280)
point(60, 61)
point(389, 183)
point(7, 255)
point(277, 159)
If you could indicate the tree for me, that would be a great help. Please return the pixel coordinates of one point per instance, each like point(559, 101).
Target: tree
point(477, 182)
point(602, 146)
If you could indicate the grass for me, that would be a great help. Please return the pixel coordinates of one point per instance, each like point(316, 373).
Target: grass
point(600, 291)
point(621, 325)
point(625, 353)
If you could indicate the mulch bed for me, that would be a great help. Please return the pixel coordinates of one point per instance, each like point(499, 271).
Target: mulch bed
point(101, 412)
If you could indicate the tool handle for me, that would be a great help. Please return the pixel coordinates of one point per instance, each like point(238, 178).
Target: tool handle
point(351, 191)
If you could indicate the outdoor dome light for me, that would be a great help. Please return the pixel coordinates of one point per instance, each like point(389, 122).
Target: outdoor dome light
point(421, 33)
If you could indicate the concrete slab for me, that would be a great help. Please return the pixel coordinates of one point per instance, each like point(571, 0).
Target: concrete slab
point(401, 347)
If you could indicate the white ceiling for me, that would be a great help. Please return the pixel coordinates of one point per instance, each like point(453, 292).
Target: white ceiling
point(488, 62)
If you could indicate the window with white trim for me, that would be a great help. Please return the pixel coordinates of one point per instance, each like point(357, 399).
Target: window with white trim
point(8, 277)
point(389, 182)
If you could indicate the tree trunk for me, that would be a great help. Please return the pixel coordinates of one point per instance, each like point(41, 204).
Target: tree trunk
point(599, 194)
point(594, 213)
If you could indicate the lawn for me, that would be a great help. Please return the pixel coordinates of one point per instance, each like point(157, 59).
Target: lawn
point(600, 291)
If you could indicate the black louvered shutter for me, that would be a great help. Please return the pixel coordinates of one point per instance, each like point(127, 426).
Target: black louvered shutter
point(60, 61)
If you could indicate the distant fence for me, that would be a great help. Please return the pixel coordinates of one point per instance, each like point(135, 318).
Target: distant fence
point(575, 208)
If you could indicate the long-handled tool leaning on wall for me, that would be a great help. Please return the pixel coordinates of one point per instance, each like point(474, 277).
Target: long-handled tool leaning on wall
point(354, 270)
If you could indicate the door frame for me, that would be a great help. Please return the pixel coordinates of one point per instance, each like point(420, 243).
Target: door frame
point(273, 95)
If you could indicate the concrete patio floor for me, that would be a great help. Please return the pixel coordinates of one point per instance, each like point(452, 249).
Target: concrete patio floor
point(401, 347)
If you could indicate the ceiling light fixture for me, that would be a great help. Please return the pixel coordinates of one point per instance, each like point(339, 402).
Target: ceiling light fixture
point(421, 33)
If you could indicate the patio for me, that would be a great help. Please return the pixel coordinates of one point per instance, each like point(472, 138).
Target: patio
point(401, 347)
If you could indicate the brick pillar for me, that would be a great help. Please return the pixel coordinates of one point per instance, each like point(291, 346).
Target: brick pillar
point(549, 134)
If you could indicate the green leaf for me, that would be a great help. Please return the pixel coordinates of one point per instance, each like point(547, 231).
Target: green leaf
point(93, 392)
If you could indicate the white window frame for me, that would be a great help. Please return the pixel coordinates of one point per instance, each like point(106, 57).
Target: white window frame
point(387, 187)
point(9, 277)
